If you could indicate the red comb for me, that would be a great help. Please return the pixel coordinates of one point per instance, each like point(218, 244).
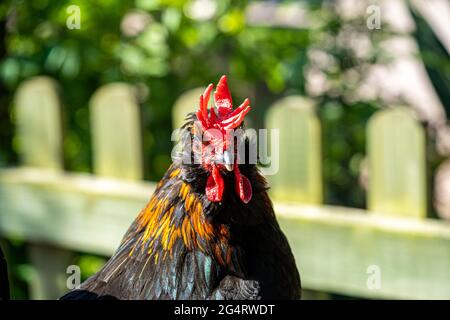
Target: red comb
point(227, 118)
point(222, 97)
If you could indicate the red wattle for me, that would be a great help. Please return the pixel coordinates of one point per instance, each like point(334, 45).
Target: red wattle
point(243, 185)
point(215, 185)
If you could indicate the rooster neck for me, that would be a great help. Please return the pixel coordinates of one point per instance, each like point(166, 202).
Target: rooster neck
point(176, 220)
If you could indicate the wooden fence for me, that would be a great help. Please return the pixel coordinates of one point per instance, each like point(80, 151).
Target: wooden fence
point(337, 249)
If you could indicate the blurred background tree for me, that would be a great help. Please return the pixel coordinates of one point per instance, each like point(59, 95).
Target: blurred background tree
point(165, 47)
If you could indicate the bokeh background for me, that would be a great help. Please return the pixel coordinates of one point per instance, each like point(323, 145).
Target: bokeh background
point(269, 49)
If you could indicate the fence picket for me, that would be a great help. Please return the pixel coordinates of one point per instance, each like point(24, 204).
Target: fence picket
point(187, 102)
point(299, 176)
point(38, 120)
point(38, 123)
point(116, 132)
point(396, 151)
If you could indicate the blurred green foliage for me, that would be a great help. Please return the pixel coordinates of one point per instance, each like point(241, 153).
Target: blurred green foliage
point(158, 46)
point(163, 48)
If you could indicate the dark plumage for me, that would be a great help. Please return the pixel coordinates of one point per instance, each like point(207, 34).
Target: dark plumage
point(185, 246)
point(4, 283)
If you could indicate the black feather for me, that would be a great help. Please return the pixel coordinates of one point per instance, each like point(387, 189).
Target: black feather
point(4, 282)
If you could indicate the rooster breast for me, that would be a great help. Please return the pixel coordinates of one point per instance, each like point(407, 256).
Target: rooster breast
point(170, 251)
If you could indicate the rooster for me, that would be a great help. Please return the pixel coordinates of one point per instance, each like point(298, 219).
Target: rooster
point(209, 230)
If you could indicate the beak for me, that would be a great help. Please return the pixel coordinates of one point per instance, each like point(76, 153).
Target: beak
point(228, 160)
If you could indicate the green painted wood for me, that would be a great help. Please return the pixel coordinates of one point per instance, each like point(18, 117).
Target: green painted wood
point(38, 123)
point(116, 132)
point(74, 211)
point(39, 133)
point(51, 263)
point(334, 247)
point(299, 176)
point(187, 102)
point(308, 294)
point(396, 151)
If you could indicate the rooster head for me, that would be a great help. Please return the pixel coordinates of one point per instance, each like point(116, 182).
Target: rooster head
point(217, 148)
